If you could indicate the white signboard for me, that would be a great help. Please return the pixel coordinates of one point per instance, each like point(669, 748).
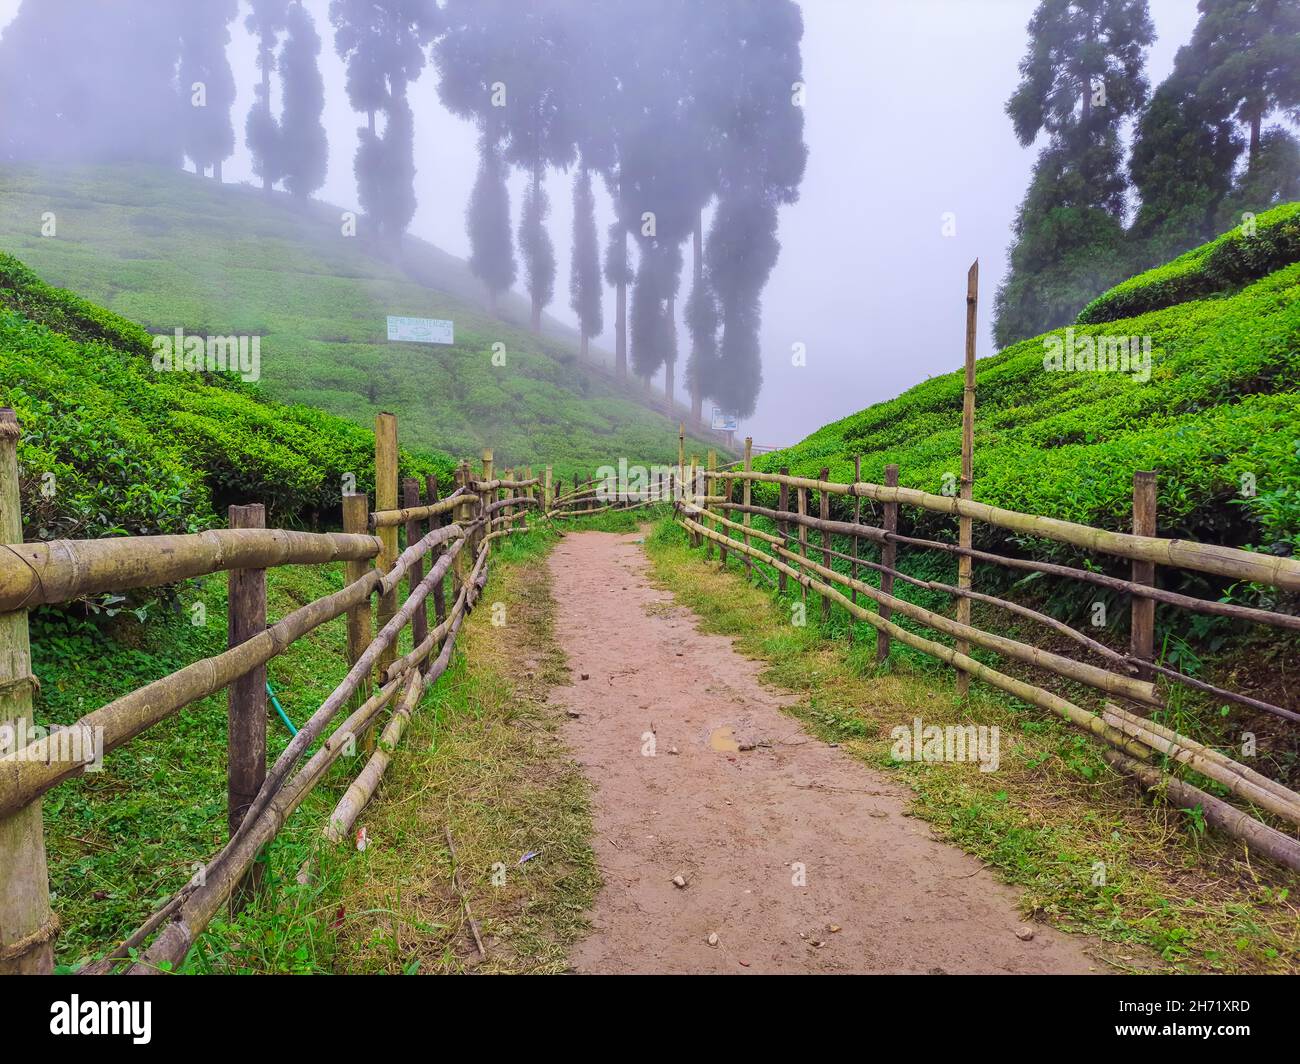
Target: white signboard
point(421, 330)
point(723, 422)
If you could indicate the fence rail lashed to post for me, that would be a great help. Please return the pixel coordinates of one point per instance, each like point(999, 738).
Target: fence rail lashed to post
point(260, 800)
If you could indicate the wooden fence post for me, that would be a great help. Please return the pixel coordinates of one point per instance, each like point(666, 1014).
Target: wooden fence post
point(436, 522)
point(783, 527)
point(966, 490)
point(27, 926)
point(824, 512)
point(487, 496)
point(386, 499)
point(888, 558)
point(746, 496)
point(420, 622)
point(853, 547)
point(801, 494)
point(356, 519)
point(245, 697)
point(528, 494)
point(464, 514)
point(546, 491)
point(1142, 620)
point(709, 487)
point(681, 452)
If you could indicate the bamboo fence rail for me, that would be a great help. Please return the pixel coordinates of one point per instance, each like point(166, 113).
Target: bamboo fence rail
point(261, 800)
point(1134, 737)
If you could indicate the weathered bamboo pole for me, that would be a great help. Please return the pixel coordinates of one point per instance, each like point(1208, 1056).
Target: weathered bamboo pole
point(361, 616)
point(784, 505)
point(1026, 692)
point(386, 499)
point(1226, 772)
point(1101, 679)
point(1232, 821)
point(966, 488)
point(745, 496)
point(824, 503)
point(488, 494)
point(547, 501)
point(713, 466)
point(1142, 632)
point(888, 558)
point(362, 789)
point(61, 570)
point(246, 695)
point(27, 925)
point(1282, 792)
point(801, 502)
point(853, 540)
point(414, 533)
point(393, 518)
point(435, 522)
point(1283, 573)
point(1012, 607)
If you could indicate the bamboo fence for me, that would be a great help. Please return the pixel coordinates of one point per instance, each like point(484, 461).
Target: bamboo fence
point(446, 538)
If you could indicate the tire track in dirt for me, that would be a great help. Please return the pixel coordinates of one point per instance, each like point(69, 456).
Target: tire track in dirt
point(878, 893)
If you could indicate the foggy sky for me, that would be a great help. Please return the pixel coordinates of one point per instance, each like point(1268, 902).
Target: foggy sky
point(905, 122)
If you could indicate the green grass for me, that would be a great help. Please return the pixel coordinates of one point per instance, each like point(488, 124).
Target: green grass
point(480, 755)
point(167, 250)
point(1054, 820)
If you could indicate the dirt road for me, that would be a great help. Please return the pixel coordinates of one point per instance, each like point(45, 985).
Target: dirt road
point(797, 857)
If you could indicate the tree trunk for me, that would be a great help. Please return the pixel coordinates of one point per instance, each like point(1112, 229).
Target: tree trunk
point(1254, 138)
point(216, 171)
point(620, 327)
point(537, 315)
point(585, 349)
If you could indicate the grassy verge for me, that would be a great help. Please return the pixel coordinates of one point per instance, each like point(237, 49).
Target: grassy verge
point(1147, 879)
point(480, 754)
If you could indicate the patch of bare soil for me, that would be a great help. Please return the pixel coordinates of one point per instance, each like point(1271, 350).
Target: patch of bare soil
point(794, 857)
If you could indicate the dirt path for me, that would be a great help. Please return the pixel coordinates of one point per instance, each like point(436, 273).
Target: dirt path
point(740, 827)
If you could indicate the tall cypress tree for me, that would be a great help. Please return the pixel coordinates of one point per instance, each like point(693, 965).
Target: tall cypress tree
point(382, 42)
point(304, 143)
point(536, 248)
point(492, 255)
point(262, 129)
point(207, 86)
point(584, 269)
point(1081, 77)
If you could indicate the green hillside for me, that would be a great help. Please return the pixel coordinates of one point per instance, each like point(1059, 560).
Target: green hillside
point(167, 250)
point(110, 447)
point(1222, 401)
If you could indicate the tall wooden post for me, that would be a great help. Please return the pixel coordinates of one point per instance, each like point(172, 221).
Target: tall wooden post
point(1143, 610)
point(414, 533)
point(966, 490)
point(487, 495)
point(853, 546)
point(464, 514)
point(436, 522)
point(824, 512)
point(709, 489)
point(889, 559)
point(356, 519)
point(746, 495)
point(386, 499)
point(681, 453)
point(528, 494)
point(27, 926)
point(546, 491)
point(246, 696)
point(782, 526)
point(801, 494)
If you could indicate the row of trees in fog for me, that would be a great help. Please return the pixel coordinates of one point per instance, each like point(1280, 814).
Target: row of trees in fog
point(1203, 153)
point(675, 106)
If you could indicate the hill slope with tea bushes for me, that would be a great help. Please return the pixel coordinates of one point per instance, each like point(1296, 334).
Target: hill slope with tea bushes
point(169, 250)
point(1222, 407)
point(110, 447)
